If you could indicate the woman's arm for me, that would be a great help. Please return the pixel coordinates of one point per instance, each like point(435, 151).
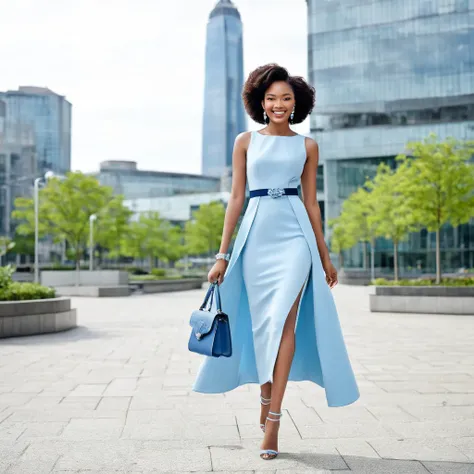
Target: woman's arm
point(235, 204)
point(237, 194)
point(308, 184)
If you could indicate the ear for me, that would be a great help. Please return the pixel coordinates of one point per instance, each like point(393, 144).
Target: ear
point(263, 104)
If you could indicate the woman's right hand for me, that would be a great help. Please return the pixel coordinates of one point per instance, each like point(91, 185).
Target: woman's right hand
point(216, 273)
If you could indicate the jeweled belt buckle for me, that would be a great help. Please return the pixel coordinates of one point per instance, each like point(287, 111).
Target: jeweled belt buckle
point(276, 192)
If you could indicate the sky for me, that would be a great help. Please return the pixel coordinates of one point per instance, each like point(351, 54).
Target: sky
point(134, 69)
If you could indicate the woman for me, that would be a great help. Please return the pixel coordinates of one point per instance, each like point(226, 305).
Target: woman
point(275, 288)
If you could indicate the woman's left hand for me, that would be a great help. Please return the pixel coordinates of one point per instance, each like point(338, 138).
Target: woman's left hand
point(331, 273)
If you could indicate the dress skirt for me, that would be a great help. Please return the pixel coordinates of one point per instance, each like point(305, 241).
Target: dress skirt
point(275, 264)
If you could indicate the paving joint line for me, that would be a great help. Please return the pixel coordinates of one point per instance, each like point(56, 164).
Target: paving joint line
point(342, 457)
point(427, 470)
point(376, 452)
point(293, 421)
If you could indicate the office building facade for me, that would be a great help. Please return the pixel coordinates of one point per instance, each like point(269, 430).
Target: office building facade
point(387, 72)
point(126, 179)
point(223, 116)
point(17, 167)
point(49, 116)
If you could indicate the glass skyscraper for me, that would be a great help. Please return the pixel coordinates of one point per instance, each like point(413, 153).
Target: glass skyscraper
point(387, 72)
point(49, 116)
point(224, 116)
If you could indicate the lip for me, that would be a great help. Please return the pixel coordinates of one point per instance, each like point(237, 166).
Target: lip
point(279, 113)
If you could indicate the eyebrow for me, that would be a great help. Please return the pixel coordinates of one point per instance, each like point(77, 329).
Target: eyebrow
point(286, 93)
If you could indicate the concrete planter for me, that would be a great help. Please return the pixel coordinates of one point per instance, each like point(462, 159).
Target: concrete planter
point(93, 291)
point(24, 318)
point(161, 286)
point(100, 278)
point(423, 299)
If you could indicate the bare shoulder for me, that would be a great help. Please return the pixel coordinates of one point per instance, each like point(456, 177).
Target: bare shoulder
point(242, 140)
point(312, 151)
point(311, 146)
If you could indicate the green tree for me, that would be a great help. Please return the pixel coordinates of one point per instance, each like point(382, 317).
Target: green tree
point(151, 237)
point(439, 183)
point(203, 233)
point(392, 217)
point(112, 225)
point(175, 248)
point(24, 244)
point(356, 213)
point(65, 206)
point(6, 244)
point(341, 237)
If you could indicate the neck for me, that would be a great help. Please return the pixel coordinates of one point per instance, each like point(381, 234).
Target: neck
point(279, 129)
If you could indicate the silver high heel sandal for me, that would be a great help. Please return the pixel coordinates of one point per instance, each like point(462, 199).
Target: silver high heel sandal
point(271, 453)
point(264, 402)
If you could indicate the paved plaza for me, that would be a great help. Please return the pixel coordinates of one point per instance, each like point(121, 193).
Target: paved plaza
point(113, 396)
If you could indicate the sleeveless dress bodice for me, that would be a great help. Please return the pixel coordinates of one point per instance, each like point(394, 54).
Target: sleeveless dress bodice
point(275, 161)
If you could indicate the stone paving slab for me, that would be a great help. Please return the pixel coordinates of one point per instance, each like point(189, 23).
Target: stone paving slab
point(114, 395)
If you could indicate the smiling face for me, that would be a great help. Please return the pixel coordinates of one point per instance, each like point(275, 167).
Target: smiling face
point(278, 102)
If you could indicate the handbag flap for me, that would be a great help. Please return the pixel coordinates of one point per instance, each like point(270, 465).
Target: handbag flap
point(201, 322)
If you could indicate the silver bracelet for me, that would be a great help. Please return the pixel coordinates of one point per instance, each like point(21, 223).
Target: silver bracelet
point(223, 256)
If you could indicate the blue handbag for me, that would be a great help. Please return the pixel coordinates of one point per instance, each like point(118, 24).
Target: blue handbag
point(210, 334)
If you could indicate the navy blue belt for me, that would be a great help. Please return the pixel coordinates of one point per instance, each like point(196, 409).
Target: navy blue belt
point(274, 192)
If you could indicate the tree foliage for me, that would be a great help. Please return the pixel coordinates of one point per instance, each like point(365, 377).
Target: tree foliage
point(392, 217)
point(438, 183)
point(112, 226)
point(65, 206)
point(432, 186)
point(203, 233)
point(342, 238)
point(154, 238)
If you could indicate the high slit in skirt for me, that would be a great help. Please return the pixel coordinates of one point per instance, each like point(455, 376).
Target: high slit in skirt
point(274, 255)
point(276, 261)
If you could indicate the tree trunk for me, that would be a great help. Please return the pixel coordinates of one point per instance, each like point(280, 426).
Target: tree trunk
point(78, 266)
point(341, 260)
point(372, 259)
point(395, 259)
point(438, 259)
point(364, 255)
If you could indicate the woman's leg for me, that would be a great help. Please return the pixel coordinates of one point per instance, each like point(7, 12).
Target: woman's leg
point(280, 375)
point(265, 392)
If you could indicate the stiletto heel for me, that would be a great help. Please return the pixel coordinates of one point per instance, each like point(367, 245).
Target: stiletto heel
point(264, 402)
point(270, 453)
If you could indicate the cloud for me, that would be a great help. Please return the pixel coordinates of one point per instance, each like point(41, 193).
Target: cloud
point(134, 70)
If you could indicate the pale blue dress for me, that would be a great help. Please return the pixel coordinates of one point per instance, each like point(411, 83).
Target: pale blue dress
point(274, 257)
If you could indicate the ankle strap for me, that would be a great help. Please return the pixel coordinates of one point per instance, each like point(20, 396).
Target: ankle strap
point(265, 401)
point(274, 414)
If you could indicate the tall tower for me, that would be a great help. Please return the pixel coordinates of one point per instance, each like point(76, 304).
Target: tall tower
point(224, 116)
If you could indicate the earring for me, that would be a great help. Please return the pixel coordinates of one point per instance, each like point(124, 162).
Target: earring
point(292, 116)
point(265, 116)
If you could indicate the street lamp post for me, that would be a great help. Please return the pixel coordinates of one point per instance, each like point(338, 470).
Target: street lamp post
point(92, 218)
point(48, 175)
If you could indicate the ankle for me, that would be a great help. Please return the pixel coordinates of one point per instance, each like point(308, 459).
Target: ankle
point(265, 401)
point(274, 416)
